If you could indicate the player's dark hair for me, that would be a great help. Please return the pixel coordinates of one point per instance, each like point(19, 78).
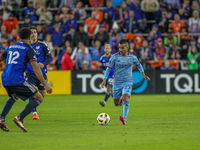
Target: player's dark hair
point(124, 41)
point(24, 33)
point(33, 27)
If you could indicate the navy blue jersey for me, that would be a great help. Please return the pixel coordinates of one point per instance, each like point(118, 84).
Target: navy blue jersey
point(18, 56)
point(41, 52)
point(104, 64)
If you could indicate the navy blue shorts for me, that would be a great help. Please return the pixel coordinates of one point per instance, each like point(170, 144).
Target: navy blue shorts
point(32, 78)
point(109, 81)
point(24, 90)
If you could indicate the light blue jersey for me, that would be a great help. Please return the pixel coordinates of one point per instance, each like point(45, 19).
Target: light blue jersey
point(123, 68)
point(123, 80)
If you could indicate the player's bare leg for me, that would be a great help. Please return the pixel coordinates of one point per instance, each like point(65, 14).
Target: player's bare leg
point(108, 94)
point(120, 103)
point(117, 101)
point(43, 92)
point(18, 120)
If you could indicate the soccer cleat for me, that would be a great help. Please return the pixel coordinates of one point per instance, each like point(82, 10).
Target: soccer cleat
point(102, 103)
point(19, 123)
point(36, 117)
point(123, 120)
point(120, 103)
point(3, 126)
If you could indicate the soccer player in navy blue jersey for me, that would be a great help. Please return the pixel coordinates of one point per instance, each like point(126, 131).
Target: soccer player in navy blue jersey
point(103, 65)
point(123, 80)
point(17, 57)
point(43, 58)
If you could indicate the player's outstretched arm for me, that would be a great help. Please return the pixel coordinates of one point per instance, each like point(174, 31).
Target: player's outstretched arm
point(140, 68)
point(105, 76)
point(103, 83)
point(146, 77)
point(39, 75)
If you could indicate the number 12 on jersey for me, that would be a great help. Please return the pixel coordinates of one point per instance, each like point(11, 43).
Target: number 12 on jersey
point(12, 57)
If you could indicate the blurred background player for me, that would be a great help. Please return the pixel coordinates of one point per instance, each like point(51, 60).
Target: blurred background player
point(123, 80)
point(103, 65)
point(43, 58)
point(14, 82)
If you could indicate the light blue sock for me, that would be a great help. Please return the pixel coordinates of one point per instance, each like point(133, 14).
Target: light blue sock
point(126, 107)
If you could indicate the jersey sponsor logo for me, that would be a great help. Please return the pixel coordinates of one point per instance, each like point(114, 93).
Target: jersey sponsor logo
point(123, 65)
point(139, 83)
point(37, 47)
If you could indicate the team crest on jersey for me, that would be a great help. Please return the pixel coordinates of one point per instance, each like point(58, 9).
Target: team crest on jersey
point(129, 60)
point(37, 47)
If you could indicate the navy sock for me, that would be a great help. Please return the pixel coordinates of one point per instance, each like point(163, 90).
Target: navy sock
point(34, 109)
point(106, 97)
point(28, 109)
point(7, 107)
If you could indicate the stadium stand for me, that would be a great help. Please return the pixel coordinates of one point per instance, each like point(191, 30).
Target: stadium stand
point(65, 23)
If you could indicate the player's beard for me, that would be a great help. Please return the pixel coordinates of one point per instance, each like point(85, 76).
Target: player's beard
point(34, 39)
point(107, 54)
point(122, 53)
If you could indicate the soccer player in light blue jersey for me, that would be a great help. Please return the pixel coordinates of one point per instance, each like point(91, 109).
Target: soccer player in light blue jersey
point(103, 65)
point(123, 81)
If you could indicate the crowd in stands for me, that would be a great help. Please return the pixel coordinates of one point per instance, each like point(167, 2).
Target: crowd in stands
point(163, 34)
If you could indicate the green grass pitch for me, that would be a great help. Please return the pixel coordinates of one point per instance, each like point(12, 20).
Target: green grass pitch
point(155, 122)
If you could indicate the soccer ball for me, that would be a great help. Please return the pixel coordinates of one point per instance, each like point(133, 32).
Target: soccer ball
point(103, 119)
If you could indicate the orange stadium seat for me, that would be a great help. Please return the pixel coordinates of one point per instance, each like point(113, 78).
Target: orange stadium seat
point(174, 64)
point(155, 64)
point(95, 65)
